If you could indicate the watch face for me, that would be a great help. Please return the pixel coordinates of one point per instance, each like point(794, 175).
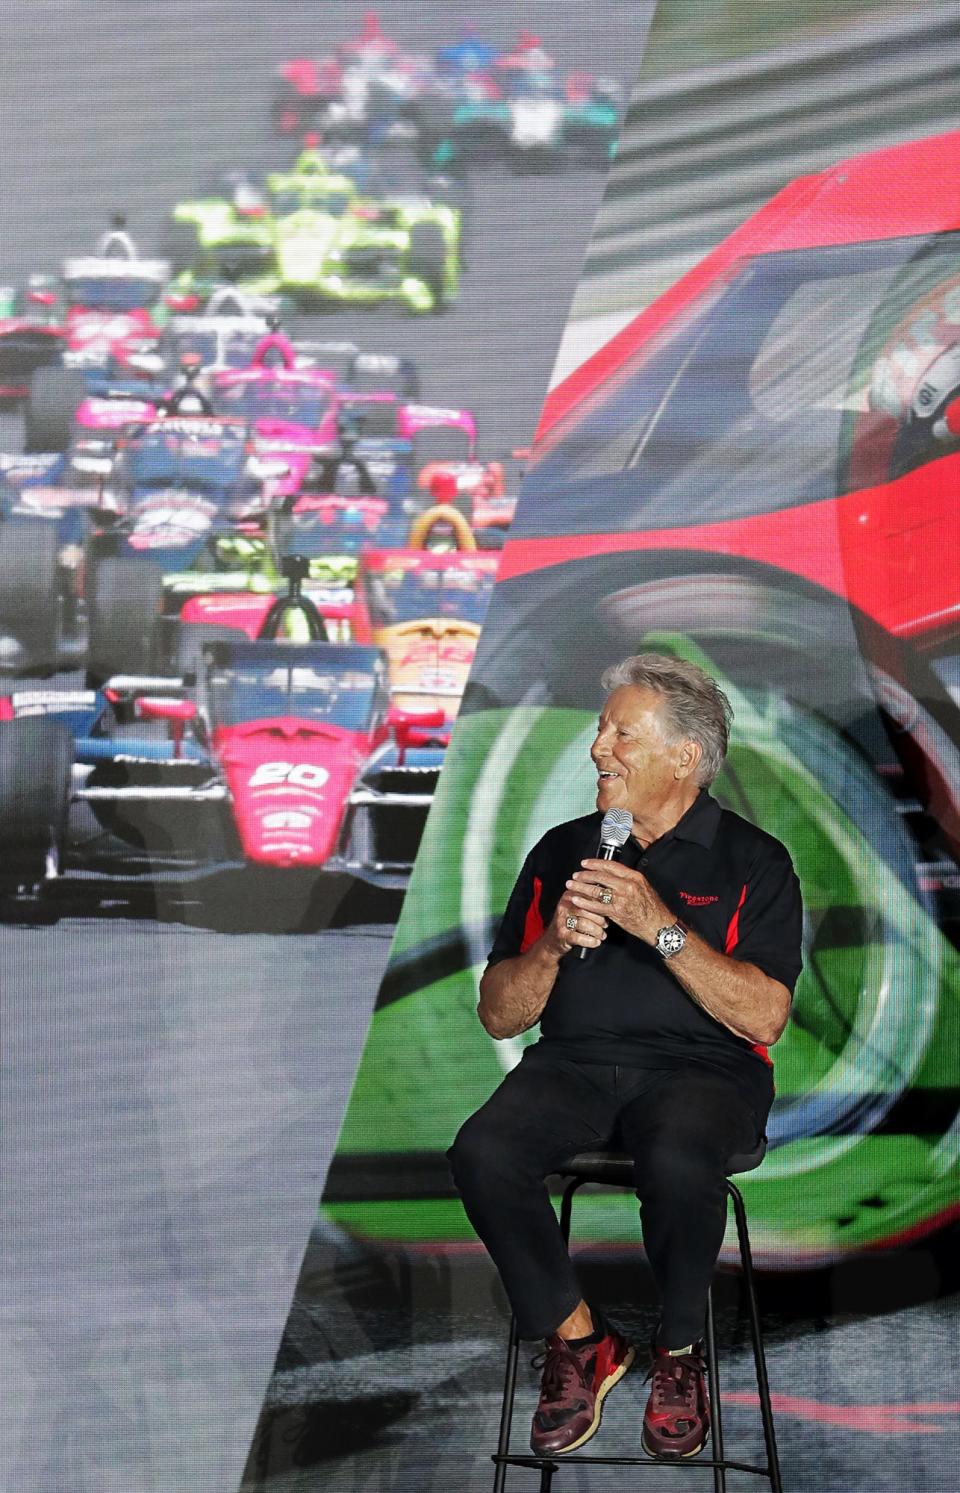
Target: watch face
point(671, 940)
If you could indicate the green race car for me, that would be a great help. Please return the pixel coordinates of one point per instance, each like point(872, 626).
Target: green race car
point(334, 244)
point(316, 237)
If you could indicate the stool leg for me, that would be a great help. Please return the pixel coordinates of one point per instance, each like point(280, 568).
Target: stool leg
point(716, 1416)
point(510, 1375)
point(759, 1358)
point(506, 1413)
point(566, 1207)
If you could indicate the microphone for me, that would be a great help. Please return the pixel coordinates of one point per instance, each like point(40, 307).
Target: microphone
point(614, 833)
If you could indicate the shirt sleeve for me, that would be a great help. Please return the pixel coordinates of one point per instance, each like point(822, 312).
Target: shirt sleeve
point(767, 927)
point(522, 920)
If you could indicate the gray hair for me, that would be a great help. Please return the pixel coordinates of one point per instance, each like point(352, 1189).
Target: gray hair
point(695, 707)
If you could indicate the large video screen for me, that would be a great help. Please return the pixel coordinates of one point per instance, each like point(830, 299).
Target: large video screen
point(280, 290)
point(753, 470)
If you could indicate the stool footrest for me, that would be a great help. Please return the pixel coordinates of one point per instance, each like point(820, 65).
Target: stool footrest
point(614, 1169)
point(511, 1459)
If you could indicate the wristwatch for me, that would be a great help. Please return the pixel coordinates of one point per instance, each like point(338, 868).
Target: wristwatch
point(670, 940)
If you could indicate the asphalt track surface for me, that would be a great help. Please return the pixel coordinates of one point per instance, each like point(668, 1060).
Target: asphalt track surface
point(172, 1092)
point(391, 1376)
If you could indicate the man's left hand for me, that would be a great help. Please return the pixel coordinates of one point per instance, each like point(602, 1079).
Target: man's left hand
point(633, 904)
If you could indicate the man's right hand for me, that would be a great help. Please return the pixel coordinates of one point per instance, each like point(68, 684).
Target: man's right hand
point(514, 991)
point(589, 932)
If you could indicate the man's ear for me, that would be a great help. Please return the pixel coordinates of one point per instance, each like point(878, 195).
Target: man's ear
point(688, 759)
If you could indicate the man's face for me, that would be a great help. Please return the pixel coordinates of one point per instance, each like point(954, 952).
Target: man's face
point(636, 768)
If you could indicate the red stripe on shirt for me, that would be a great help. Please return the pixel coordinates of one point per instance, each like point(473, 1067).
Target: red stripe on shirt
point(533, 923)
point(733, 927)
point(733, 937)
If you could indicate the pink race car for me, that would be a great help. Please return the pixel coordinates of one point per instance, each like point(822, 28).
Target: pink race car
point(293, 410)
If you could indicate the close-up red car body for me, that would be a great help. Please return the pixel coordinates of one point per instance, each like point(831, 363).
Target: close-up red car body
point(769, 456)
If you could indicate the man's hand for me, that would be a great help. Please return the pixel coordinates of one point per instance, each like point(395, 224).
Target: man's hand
point(634, 905)
point(588, 915)
point(514, 992)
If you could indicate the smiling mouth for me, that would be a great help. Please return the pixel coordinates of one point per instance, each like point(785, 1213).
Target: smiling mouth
point(606, 776)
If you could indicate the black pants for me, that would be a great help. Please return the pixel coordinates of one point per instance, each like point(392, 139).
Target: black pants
point(680, 1126)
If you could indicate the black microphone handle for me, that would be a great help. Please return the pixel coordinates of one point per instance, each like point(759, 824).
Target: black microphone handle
point(606, 852)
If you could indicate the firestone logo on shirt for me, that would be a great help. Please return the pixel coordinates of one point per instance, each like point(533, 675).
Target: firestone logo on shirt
point(693, 899)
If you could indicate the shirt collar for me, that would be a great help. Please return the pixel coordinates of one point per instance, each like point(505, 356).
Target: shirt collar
point(699, 824)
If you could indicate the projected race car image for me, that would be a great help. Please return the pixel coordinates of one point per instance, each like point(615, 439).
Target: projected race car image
point(757, 474)
point(265, 366)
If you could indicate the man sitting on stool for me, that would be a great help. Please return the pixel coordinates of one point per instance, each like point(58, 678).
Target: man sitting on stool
point(655, 1039)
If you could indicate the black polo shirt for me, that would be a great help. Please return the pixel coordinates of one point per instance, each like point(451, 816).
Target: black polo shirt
point(721, 876)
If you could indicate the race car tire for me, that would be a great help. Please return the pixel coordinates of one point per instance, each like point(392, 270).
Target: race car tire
point(427, 258)
point(124, 599)
point(178, 245)
point(443, 514)
point(30, 593)
point(36, 761)
point(55, 394)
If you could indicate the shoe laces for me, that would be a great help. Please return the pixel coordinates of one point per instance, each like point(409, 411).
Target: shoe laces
point(675, 1381)
point(560, 1364)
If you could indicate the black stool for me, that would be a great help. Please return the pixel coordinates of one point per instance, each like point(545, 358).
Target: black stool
point(613, 1169)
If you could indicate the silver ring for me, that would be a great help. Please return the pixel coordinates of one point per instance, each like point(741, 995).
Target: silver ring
point(606, 896)
point(571, 921)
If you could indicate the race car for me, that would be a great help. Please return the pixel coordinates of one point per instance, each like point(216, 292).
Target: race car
point(112, 309)
point(536, 118)
point(478, 490)
point(342, 513)
point(184, 485)
point(334, 245)
point(30, 336)
point(365, 90)
point(469, 54)
point(292, 410)
point(425, 609)
point(282, 760)
point(757, 474)
point(352, 495)
point(48, 505)
point(320, 239)
point(224, 335)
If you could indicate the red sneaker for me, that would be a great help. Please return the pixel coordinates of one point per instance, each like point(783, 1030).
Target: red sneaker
point(676, 1422)
point(574, 1385)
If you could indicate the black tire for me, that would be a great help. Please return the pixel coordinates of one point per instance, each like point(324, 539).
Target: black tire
point(30, 593)
point(124, 599)
point(427, 258)
point(36, 759)
point(179, 246)
point(55, 394)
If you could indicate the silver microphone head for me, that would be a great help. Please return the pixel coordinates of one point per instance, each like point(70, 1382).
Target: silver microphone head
point(616, 827)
